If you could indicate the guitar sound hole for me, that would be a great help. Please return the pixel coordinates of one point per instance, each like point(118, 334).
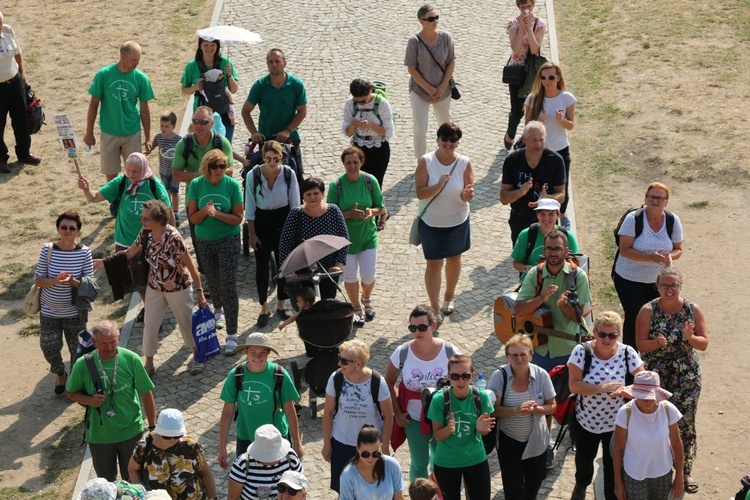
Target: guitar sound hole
point(528, 328)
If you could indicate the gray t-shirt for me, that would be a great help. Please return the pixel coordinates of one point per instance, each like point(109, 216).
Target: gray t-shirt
point(417, 56)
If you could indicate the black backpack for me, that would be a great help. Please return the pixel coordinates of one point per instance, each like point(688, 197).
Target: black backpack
point(216, 95)
point(278, 380)
point(256, 173)
point(34, 110)
point(375, 381)
point(639, 219)
point(532, 234)
point(115, 205)
point(189, 139)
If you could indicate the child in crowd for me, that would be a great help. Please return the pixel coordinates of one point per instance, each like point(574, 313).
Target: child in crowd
point(166, 140)
point(423, 489)
point(305, 298)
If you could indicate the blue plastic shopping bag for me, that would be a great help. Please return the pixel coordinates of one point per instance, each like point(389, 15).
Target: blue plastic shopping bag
point(204, 334)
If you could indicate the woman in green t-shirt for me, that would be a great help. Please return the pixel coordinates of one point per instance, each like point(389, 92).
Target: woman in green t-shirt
point(460, 452)
point(216, 207)
point(358, 196)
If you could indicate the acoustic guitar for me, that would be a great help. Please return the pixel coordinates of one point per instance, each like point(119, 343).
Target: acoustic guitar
point(537, 325)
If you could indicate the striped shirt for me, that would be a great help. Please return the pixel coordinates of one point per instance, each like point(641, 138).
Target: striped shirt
point(56, 301)
point(519, 426)
point(260, 480)
point(166, 151)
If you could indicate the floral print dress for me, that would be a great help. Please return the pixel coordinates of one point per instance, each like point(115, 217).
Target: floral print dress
point(679, 369)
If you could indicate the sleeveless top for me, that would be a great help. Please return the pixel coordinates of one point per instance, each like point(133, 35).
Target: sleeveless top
point(448, 210)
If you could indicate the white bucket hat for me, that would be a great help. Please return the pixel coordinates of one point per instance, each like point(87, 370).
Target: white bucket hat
point(268, 446)
point(170, 423)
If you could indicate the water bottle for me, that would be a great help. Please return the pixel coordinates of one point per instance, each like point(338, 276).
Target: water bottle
point(481, 382)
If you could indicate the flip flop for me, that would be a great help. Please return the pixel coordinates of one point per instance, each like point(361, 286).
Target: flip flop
point(448, 307)
point(691, 486)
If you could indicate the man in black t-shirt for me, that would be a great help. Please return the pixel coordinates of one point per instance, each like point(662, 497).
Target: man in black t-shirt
point(529, 174)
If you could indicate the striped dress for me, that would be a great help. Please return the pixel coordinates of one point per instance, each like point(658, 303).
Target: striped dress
point(56, 301)
point(260, 480)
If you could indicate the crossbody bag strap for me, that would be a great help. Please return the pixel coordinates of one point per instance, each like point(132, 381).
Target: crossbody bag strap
point(432, 55)
point(49, 256)
point(441, 189)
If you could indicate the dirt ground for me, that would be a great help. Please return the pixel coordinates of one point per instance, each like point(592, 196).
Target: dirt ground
point(676, 123)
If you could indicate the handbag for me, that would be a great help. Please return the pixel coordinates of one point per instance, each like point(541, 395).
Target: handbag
point(455, 93)
point(139, 271)
point(204, 334)
point(31, 303)
point(414, 238)
point(531, 67)
point(513, 74)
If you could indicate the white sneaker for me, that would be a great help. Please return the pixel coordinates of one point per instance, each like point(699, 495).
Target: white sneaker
point(219, 314)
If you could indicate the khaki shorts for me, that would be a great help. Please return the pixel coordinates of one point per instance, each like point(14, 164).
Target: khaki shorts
point(114, 148)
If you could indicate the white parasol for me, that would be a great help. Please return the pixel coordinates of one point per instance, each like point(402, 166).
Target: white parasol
point(229, 34)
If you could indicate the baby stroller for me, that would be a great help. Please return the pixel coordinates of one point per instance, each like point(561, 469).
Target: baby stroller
point(323, 326)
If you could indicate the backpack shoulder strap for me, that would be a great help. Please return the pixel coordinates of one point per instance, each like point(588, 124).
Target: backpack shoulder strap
point(375, 389)
point(477, 399)
point(666, 409)
point(339, 188)
point(532, 234)
point(639, 221)
point(256, 180)
point(376, 106)
point(402, 355)
point(587, 357)
point(368, 182)
point(239, 377)
point(505, 384)
point(201, 66)
point(152, 186)
point(446, 402)
point(217, 140)
point(188, 148)
point(278, 379)
point(121, 187)
point(670, 222)
point(288, 176)
point(338, 386)
point(89, 357)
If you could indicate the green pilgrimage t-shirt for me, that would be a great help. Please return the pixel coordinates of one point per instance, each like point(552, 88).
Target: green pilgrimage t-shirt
point(255, 403)
point(277, 106)
point(464, 448)
point(537, 251)
point(192, 73)
point(193, 161)
point(132, 381)
point(119, 93)
point(128, 220)
point(226, 194)
point(363, 234)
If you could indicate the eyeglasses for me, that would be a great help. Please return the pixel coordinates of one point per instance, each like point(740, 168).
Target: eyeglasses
point(374, 454)
point(218, 165)
point(550, 77)
point(431, 19)
point(453, 139)
point(655, 198)
point(67, 228)
point(459, 376)
point(421, 328)
point(270, 159)
point(522, 355)
point(673, 286)
point(282, 488)
point(604, 335)
point(145, 219)
point(345, 361)
point(554, 249)
point(198, 121)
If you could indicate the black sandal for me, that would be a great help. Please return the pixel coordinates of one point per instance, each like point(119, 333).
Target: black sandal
point(60, 389)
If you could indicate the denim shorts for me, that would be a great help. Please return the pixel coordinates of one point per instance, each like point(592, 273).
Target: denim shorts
point(172, 185)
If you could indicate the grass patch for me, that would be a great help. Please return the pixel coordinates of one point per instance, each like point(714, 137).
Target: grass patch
point(15, 279)
point(24, 493)
point(65, 453)
point(699, 204)
point(29, 330)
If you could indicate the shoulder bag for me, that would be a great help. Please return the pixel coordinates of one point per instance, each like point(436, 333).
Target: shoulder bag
point(513, 74)
point(31, 304)
point(455, 94)
point(414, 238)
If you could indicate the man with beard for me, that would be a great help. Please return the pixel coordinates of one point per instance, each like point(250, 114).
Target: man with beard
point(282, 100)
point(530, 174)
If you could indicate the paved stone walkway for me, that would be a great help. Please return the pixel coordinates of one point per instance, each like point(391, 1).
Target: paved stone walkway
point(328, 44)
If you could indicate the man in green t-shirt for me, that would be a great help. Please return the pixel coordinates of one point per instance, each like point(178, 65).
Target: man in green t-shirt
point(114, 420)
point(257, 403)
point(118, 87)
point(282, 99)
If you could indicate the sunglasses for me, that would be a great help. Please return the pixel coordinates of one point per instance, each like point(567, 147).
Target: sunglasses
point(272, 160)
point(421, 328)
point(345, 361)
point(197, 121)
point(282, 488)
point(68, 228)
point(431, 19)
point(374, 454)
point(452, 139)
point(604, 335)
point(218, 165)
point(459, 376)
point(550, 77)
point(171, 438)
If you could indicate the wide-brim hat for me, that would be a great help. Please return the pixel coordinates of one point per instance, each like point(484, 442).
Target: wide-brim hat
point(268, 446)
point(548, 204)
point(646, 385)
point(258, 339)
point(170, 423)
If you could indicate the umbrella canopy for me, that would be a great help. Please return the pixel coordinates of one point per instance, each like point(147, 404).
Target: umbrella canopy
point(310, 251)
point(229, 34)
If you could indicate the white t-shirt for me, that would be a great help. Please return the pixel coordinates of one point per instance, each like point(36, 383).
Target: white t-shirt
point(9, 49)
point(557, 135)
point(647, 450)
point(596, 413)
point(356, 408)
point(418, 374)
point(649, 242)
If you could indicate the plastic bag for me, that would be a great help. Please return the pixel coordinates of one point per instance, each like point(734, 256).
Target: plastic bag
point(204, 334)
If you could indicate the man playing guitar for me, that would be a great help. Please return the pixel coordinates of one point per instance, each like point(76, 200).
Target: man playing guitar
point(570, 307)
